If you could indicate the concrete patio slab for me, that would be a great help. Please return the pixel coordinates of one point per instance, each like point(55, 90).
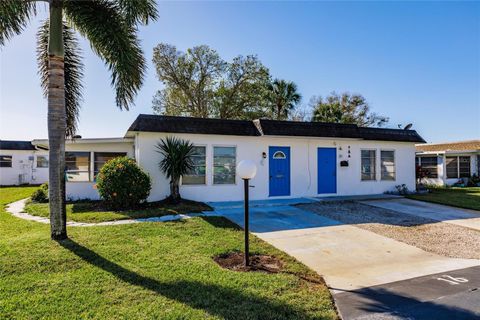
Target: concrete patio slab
point(462, 217)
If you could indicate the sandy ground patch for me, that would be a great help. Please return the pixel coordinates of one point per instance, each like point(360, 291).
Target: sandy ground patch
point(427, 234)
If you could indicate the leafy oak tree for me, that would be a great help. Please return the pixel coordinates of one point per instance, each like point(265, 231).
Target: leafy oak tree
point(345, 108)
point(198, 83)
point(110, 26)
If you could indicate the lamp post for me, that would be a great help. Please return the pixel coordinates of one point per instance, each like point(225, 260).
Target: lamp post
point(246, 170)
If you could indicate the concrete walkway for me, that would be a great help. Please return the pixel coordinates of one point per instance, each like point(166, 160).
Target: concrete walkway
point(17, 209)
point(347, 257)
point(461, 217)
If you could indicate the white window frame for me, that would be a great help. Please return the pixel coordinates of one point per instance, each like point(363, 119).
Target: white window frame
point(394, 165)
point(213, 163)
point(206, 169)
point(458, 167)
point(375, 165)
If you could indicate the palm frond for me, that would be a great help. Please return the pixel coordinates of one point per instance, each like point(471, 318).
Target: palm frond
point(138, 11)
point(14, 17)
point(114, 40)
point(73, 72)
point(177, 157)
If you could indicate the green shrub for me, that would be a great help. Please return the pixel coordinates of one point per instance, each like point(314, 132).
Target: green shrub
point(123, 184)
point(40, 195)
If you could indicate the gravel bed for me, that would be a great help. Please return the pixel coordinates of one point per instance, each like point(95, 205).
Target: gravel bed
point(427, 234)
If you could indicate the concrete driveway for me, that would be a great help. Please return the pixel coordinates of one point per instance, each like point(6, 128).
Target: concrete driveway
point(461, 217)
point(350, 259)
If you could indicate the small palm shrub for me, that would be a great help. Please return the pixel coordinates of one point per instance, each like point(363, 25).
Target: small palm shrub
point(41, 194)
point(122, 184)
point(177, 161)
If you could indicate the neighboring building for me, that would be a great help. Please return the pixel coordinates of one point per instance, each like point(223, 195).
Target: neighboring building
point(22, 163)
point(294, 159)
point(84, 158)
point(447, 163)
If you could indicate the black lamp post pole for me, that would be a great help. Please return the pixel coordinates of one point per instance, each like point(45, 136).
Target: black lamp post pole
point(247, 262)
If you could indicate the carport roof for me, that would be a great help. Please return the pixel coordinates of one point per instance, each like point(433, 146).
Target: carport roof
point(171, 124)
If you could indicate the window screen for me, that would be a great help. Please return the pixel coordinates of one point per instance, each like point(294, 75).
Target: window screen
point(100, 158)
point(224, 162)
point(77, 166)
point(430, 165)
point(5, 161)
point(387, 160)
point(42, 162)
point(368, 164)
point(198, 174)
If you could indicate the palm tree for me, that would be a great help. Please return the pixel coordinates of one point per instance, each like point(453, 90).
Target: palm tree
point(111, 28)
point(177, 161)
point(284, 98)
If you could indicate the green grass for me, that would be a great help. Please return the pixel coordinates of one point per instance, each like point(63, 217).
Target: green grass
point(93, 212)
point(144, 271)
point(468, 198)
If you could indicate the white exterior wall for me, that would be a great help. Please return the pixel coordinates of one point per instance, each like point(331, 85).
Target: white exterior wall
point(303, 166)
point(85, 189)
point(24, 162)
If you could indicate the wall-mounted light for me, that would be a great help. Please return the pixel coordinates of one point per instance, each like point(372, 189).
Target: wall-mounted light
point(264, 155)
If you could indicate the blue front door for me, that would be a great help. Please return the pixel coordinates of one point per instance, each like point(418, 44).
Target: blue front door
point(279, 164)
point(327, 170)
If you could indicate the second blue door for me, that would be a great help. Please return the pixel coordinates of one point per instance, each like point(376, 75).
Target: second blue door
point(327, 170)
point(279, 164)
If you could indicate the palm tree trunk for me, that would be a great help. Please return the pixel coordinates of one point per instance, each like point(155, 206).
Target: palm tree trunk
point(57, 124)
point(174, 191)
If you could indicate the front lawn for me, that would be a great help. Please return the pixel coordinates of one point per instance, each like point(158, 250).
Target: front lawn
point(468, 198)
point(145, 271)
point(93, 211)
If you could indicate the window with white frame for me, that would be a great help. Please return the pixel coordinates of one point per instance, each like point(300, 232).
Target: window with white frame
point(100, 158)
point(464, 167)
point(224, 162)
point(5, 161)
point(429, 165)
point(387, 163)
point(458, 167)
point(77, 166)
point(452, 167)
point(368, 164)
point(197, 175)
point(42, 162)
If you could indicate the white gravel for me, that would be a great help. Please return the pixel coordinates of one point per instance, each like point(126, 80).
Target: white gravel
point(427, 234)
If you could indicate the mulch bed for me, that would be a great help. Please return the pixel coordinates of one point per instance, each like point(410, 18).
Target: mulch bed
point(258, 262)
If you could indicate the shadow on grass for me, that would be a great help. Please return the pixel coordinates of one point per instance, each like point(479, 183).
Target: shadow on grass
point(216, 300)
point(221, 222)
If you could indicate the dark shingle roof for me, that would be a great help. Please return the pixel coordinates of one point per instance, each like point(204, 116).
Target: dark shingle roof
point(308, 129)
point(156, 123)
point(16, 145)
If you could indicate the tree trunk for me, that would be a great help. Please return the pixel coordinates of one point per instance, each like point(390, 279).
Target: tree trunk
point(174, 191)
point(57, 123)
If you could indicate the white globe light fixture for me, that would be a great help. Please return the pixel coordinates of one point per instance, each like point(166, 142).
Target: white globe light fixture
point(246, 170)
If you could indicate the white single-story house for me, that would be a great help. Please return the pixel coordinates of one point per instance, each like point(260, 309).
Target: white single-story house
point(22, 163)
point(447, 163)
point(294, 159)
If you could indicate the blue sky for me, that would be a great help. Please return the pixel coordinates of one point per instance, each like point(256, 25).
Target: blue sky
point(415, 62)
